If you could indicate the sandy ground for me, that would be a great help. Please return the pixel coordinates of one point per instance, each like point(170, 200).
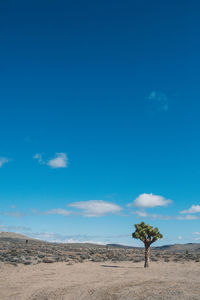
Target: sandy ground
point(101, 281)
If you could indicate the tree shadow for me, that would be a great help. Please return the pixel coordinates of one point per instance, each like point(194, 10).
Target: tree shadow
point(111, 266)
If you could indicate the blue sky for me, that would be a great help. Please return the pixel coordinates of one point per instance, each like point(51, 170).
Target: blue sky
point(100, 119)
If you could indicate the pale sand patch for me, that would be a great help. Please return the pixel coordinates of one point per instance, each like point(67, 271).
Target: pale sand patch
point(101, 281)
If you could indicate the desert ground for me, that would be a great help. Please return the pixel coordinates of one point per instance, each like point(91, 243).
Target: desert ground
point(33, 269)
point(100, 281)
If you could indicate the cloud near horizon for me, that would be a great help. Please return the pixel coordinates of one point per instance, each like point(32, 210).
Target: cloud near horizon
point(149, 201)
point(62, 238)
point(96, 208)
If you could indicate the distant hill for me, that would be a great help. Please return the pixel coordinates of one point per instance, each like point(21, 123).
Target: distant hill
point(171, 248)
point(121, 246)
point(180, 247)
point(13, 235)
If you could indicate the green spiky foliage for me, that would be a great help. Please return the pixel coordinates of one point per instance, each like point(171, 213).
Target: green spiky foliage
point(148, 235)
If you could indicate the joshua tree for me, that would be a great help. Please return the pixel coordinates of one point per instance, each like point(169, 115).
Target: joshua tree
point(148, 235)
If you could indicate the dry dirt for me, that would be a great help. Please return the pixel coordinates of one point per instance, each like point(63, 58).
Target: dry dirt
point(101, 281)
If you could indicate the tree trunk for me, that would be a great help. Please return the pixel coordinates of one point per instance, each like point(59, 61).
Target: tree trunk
point(147, 255)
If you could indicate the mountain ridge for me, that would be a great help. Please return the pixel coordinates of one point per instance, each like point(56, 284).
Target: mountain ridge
point(169, 247)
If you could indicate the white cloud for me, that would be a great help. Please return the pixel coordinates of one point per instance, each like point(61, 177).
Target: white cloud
point(149, 201)
point(158, 101)
point(179, 238)
point(3, 160)
point(38, 156)
point(60, 161)
point(196, 233)
point(96, 208)
point(192, 210)
point(58, 211)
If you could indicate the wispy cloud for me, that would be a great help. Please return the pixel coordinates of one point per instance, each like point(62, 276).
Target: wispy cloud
point(55, 211)
point(59, 161)
point(2, 228)
point(150, 201)
point(158, 101)
point(192, 210)
point(188, 217)
point(96, 208)
point(16, 214)
point(91, 208)
point(13, 206)
point(58, 211)
point(3, 160)
point(14, 228)
point(38, 157)
point(144, 214)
